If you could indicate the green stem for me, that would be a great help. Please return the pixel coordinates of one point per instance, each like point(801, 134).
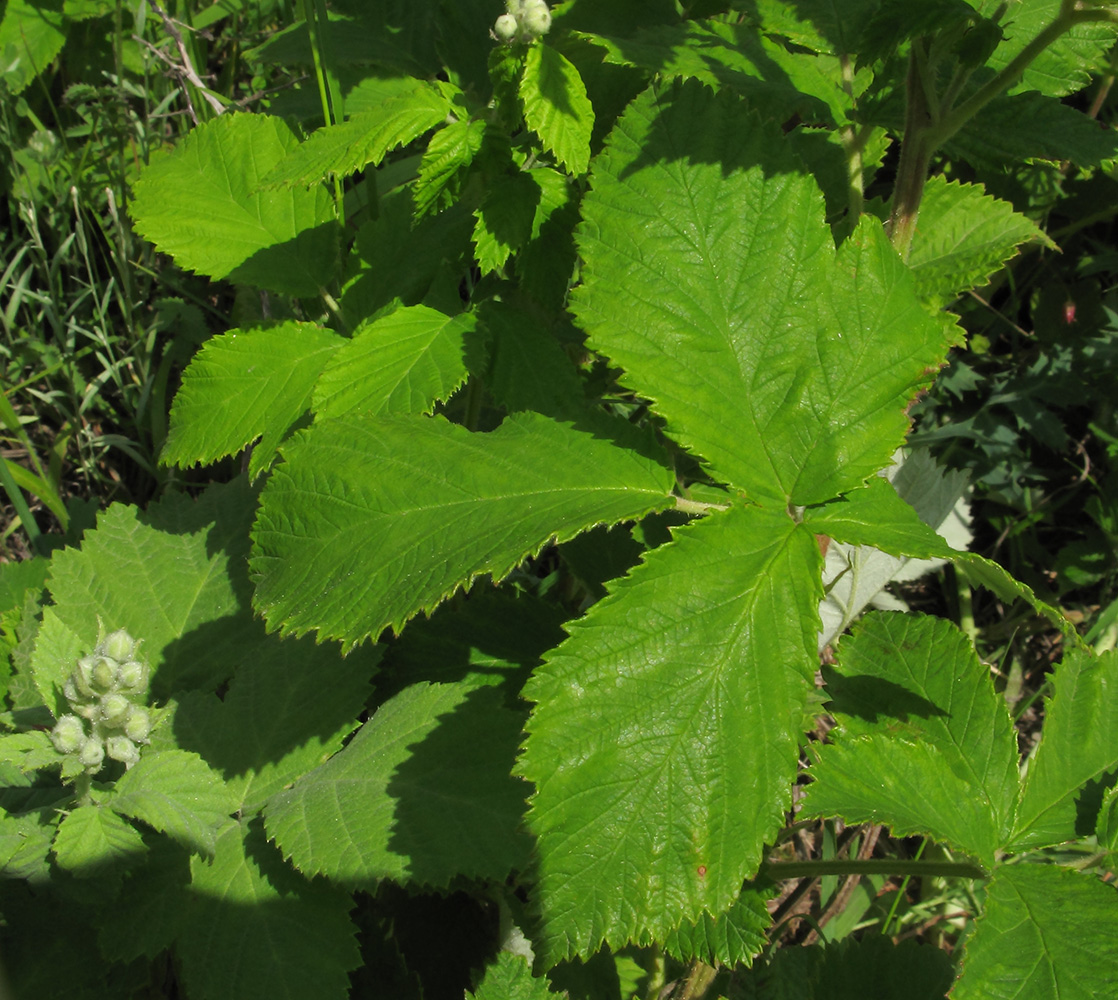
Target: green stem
point(698, 981)
point(1069, 17)
point(928, 125)
point(916, 157)
point(317, 43)
point(778, 871)
point(900, 893)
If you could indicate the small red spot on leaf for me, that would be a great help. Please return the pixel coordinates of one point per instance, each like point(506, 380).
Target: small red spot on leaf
point(702, 870)
point(1069, 313)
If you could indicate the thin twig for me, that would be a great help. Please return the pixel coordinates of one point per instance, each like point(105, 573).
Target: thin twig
point(187, 68)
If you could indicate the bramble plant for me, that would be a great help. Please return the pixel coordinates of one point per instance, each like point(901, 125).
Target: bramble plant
point(585, 333)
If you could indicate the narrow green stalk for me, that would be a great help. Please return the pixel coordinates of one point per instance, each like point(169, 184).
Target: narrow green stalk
point(1069, 17)
point(929, 123)
point(900, 893)
point(778, 871)
point(315, 31)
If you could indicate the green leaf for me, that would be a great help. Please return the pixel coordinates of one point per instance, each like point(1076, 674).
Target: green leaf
point(1078, 748)
point(515, 210)
point(994, 577)
point(876, 515)
point(176, 793)
point(1045, 932)
point(1031, 126)
point(924, 745)
point(32, 751)
point(92, 838)
point(449, 152)
point(243, 385)
point(56, 652)
point(408, 508)
point(421, 794)
point(504, 221)
point(510, 978)
point(714, 283)
point(964, 238)
point(528, 367)
point(556, 107)
point(25, 842)
point(852, 969)
point(202, 204)
point(404, 362)
point(364, 139)
point(31, 35)
point(651, 805)
point(1063, 67)
point(731, 938)
point(738, 57)
point(287, 710)
point(173, 576)
point(255, 929)
point(391, 259)
point(494, 638)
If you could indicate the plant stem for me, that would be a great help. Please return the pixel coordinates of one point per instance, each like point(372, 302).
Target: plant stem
point(928, 126)
point(916, 156)
point(778, 871)
point(698, 981)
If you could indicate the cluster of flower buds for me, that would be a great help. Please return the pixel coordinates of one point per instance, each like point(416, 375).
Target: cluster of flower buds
point(105, 692)
point(526, 20)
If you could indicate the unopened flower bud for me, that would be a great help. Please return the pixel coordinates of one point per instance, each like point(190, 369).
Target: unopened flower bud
point(92, 755)
point(123, 749)
point(506, 28)
point(68, 734)
point(115, 709)
point(119, 645)
point(536, 18)
point(83, 676)
point(132, 675)
point(138, 726)
point(103, 674)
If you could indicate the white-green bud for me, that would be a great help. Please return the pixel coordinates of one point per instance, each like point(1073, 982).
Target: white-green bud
point(68, 734)
point(119, 645)
point(87, 710)
point(138, 726)
point(83, 676)
point(103, 674)
point(536, 18)
point(506, 28)
point(115, 709)
point(92, 755)
point(123, 749)
point(132, 675)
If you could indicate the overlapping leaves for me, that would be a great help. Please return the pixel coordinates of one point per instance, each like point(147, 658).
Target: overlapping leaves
point(663, 744)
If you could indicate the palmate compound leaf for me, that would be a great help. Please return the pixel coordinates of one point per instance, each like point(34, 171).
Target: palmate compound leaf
point(663, 742)
point(254, 928)
point(711, 277)
point(924, 743)
point(202, 204)
point(421, 794)
point(1078, 750)
point(1045, 932)
point(404, 362)
point(371, 520)
point(244, 384)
